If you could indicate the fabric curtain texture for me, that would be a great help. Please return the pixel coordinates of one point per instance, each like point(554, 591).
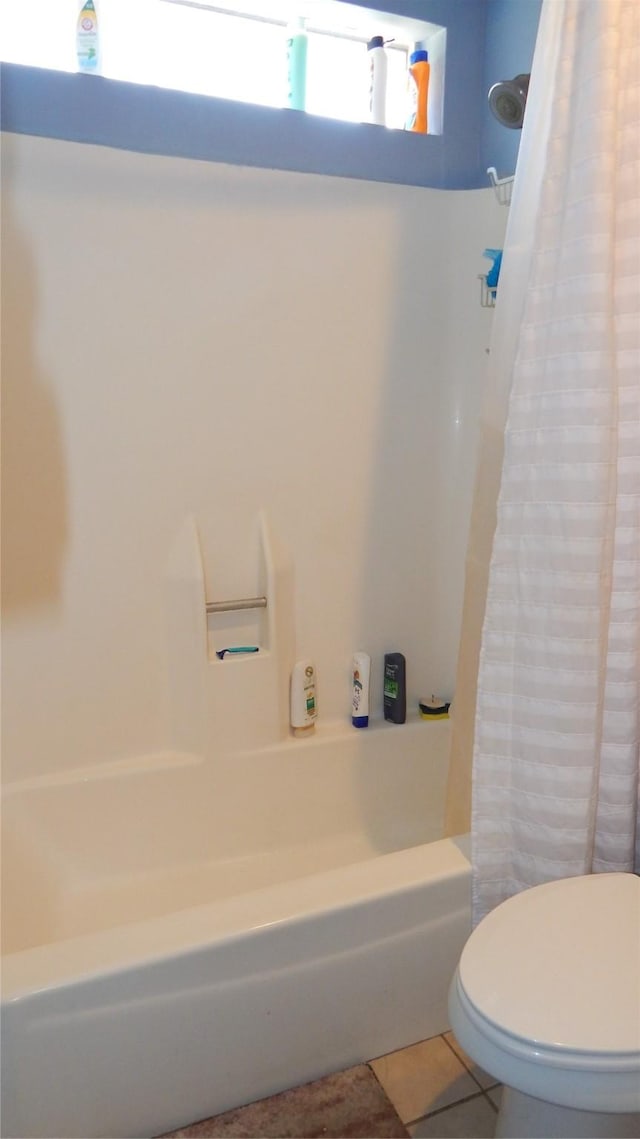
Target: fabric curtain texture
point(507, 320)
point(556, 739)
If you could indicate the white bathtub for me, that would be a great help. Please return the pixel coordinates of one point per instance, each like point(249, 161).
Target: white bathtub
point(181, 936)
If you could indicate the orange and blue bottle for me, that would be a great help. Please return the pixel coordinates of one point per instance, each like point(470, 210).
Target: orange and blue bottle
point(418, 83)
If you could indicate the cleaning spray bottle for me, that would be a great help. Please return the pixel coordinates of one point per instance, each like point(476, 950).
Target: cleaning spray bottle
point(87, 41)
point(418, 84)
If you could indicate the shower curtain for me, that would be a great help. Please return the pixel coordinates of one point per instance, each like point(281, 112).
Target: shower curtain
point(556, 727)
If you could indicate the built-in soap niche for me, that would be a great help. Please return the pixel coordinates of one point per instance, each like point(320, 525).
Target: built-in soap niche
point(240, 701)
point(229, 632)
point(241, 619)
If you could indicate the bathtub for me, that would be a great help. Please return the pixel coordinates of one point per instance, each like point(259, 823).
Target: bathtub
point(181, 936)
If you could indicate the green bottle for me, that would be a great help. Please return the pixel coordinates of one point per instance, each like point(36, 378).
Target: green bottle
point(297, 64)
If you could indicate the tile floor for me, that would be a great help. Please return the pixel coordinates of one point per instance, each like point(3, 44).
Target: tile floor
point(431, 1090)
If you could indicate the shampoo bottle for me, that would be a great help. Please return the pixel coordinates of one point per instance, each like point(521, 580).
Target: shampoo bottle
point(377, 81)
point(418, 83)
point(395, 688)
point(87, 42)
point(297, 65)
point(304, 704)
point(360, 690)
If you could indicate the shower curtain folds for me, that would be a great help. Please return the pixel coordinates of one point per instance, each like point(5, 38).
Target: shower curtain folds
point(555, 745)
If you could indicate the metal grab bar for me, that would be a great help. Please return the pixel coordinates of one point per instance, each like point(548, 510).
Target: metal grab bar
point(242, 603)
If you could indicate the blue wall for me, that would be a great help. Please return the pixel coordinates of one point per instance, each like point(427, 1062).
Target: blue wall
point(486, 40)
point(510, 41)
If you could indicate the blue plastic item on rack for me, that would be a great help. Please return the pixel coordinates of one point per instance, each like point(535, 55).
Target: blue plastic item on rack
point(494, 255)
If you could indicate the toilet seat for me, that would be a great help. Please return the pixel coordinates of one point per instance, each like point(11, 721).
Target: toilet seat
point(547, 992)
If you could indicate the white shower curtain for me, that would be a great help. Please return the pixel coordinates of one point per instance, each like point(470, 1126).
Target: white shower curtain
point(556, 751)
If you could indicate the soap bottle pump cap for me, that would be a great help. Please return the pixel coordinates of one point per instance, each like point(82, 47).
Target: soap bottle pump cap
point(375, 41)
point(419, 57)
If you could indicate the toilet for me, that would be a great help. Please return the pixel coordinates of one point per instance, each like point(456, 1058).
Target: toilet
point(546, 999)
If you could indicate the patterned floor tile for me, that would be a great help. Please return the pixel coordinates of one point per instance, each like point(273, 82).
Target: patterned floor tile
point(423, 1078)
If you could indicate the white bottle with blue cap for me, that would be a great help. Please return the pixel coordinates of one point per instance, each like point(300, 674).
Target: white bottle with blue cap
point(360, 690)
point(377, 81)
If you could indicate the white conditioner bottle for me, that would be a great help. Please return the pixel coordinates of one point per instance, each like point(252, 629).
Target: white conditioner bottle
point(304, 703)
point(360, 690)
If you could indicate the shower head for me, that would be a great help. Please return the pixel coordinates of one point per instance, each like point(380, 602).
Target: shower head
point(507, 100)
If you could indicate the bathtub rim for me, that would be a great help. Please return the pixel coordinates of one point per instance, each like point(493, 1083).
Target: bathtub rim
point(56, 965)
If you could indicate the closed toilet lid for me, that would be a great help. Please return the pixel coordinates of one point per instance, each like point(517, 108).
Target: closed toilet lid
point(559, 964)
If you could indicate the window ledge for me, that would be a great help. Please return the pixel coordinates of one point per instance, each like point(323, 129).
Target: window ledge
point(153, 120)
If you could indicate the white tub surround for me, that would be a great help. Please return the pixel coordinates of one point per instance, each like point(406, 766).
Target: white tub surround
point(258, 340)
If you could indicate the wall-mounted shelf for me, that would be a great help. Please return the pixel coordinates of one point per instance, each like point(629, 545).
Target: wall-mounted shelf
point(503, 187)
point(234, 606)
point(487, 294)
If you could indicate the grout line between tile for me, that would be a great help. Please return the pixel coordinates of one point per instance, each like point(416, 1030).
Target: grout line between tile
point(448, 1107)
point(469, 1070)
point(465, 1066)
point(385, 1093)
point(492, 1104)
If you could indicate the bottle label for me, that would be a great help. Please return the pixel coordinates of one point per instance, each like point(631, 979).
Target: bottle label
point(87, 38)
point(357, 692)
point(390, 688)
point(412, 102)
point(296, 71)
point(310, 691)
